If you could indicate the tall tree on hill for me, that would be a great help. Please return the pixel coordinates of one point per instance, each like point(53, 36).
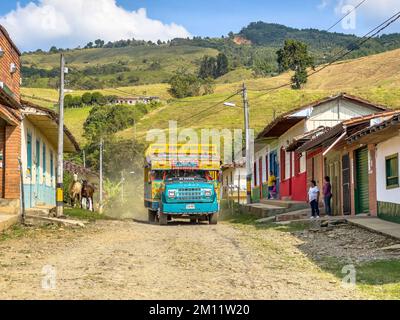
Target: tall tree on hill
point(99, 43)
point(294, 56)
point(208, 67)
point(212, 67)
point(222, 65)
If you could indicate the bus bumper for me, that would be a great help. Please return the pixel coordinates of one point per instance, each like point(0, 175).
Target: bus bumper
point(190, 208)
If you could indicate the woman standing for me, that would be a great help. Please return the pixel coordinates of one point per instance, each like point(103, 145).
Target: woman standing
point(327, 191)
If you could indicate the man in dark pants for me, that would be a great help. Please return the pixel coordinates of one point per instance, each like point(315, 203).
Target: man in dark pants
point(313, 198)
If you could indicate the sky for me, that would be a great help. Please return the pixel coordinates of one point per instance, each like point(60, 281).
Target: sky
point(35, 24)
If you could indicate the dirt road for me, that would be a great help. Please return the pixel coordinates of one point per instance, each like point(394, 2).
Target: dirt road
point(129, 260)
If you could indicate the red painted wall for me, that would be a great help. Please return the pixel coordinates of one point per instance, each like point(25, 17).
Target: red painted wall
point(299, 187)
point(285, 188)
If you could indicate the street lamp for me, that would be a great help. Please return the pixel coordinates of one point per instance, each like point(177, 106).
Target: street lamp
point(249, 168)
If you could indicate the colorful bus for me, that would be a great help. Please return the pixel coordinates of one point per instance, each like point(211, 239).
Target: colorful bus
point(182, 181)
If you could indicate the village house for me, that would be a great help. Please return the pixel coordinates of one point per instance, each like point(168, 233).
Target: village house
point(277, 146)
point(28, 137)
point(382, 181)
point(135, 100)
point(350, 164)
point(234, 181)
point(39, 145)
point(10, 125)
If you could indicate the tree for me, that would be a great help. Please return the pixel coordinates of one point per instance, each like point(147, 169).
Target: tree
point(222, 65)
point(184, 84)
point(89, 45)
point(208, 67)
point(87, 98)
point(212, 67)
point(99, 43)
point(98, 98)
point(294, 56)
point(68, 101)
point(77, 101)
point(53, 49)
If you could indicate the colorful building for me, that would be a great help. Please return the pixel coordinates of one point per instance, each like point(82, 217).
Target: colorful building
point(10, 124)
point(39, 145)
point(377, 191)
point(277, 147)
point(28, 135)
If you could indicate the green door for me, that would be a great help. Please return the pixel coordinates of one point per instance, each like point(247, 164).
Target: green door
point(362, 187)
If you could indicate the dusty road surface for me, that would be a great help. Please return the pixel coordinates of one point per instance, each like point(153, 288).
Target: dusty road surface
point(130, 260)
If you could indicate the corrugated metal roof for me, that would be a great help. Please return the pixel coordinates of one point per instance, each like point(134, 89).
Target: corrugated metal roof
point(283, 123)
point(390, 123)
point(47, 121)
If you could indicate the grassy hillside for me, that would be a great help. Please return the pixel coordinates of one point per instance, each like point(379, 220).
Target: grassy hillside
point(376, 78)
point(113, 66)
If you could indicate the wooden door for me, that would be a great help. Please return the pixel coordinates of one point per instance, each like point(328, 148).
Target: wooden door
point(362, 181)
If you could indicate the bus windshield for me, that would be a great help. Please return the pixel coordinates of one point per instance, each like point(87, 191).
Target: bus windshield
point(184, 175)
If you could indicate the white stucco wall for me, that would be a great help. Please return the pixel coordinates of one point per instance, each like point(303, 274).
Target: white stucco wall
point(334, 112)
point(235, 176)
point(385, 149)
point(291, 134)
point(45, 178)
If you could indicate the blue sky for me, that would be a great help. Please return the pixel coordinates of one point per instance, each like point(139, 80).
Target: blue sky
point(170, 18)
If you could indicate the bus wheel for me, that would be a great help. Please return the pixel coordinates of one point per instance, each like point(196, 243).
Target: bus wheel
point(213, 218)
point(152, 216)
point(163, 219)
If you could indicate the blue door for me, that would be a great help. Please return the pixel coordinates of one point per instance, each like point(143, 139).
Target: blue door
point(274, 166)
point(29, 202)
point(37, 180)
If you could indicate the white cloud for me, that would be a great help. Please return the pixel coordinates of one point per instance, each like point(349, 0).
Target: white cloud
point(76, 22)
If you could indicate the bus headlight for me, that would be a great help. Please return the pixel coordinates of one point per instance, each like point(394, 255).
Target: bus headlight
point(172, 194)
point(208, 193)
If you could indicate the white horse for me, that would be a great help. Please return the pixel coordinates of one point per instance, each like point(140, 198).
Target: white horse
point(75, 190)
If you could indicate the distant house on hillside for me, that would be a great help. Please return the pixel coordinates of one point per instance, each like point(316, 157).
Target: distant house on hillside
point(135, 100)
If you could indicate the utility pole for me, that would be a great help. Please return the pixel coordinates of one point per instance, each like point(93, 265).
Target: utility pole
point(249, 170)
point(84, 158)
point(60, 157)
point(101, 176)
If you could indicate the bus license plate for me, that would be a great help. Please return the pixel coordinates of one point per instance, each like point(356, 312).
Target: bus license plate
point(190, 207)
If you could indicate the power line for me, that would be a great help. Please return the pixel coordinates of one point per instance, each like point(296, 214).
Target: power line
point(344, 17)
point(208, 109)
point(363, 40)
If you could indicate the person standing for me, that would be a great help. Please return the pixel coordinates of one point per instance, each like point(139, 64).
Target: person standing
point(313, 198)
point(271, 185)
point(327, 191)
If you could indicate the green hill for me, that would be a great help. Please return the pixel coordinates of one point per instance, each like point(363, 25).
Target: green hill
point(112, 67)
point(375, 78)
point(132, 63)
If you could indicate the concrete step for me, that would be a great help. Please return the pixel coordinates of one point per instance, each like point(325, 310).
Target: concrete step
point(6, 221)
point(43, 211)
point(289, 204)
point(297, 215)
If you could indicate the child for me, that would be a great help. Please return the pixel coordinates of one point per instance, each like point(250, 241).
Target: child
point(273, 191)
